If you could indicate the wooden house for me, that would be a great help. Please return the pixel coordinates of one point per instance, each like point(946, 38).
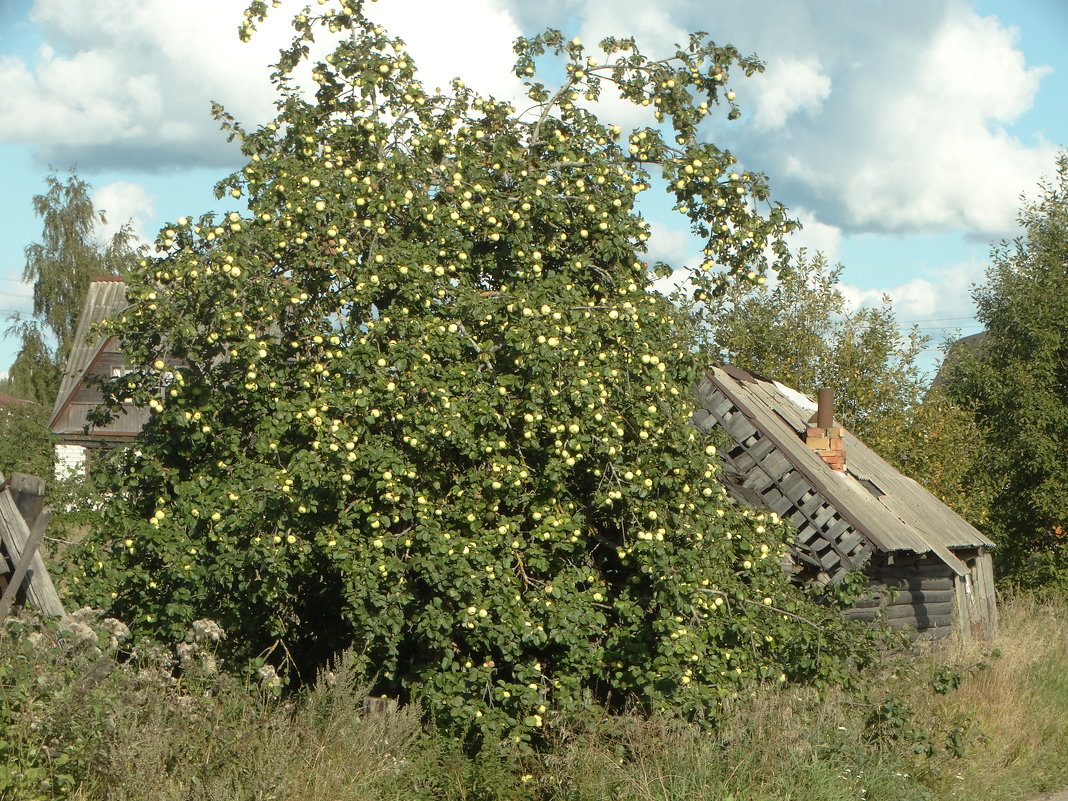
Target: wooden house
point(928, 569)
point(92, 355)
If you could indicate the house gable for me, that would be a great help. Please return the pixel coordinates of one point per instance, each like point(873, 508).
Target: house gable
point(93, 356)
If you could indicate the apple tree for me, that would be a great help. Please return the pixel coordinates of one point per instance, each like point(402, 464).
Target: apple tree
point(421, 401)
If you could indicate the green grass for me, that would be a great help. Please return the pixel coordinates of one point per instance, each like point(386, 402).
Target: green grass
point(78, 725)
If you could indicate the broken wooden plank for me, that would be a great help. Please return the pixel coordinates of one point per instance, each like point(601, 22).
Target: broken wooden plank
point(15, 535)
point(29, 551)
point(29, 492)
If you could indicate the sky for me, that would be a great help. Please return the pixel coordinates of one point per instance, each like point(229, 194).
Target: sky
point(901, 134)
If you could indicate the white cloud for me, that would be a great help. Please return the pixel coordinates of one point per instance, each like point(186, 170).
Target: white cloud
point(912, 136)
point(942, 299)
point(123, 83)
point(123, 202)
point(475, 45)
point(877, 117)
point(786, 87)
point(675, 247)
point(815, 236)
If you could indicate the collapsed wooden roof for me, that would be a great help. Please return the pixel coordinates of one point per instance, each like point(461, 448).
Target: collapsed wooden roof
point(93, 355)
point(842, 517)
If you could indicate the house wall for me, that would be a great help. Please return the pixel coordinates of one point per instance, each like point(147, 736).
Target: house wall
point(976, 598)
point(908, 590)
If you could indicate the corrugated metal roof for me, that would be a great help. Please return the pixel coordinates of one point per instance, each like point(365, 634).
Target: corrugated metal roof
point(105, 297)
point(901, 516)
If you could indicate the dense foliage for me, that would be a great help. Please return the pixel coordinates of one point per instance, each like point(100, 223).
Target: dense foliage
point(26, 444)
point(1017, 382)
point(420, 399)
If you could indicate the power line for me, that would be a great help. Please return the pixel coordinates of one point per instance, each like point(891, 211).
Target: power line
point(950, 328)
point(939, 319)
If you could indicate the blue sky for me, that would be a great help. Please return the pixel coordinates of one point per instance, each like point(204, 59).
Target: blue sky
point(901, 133)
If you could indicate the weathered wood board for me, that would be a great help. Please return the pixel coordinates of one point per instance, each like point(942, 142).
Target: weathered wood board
point(15, 535)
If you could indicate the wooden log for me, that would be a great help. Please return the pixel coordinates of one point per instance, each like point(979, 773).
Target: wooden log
point(758, 480)
point(794, 485)
point(775, 499)
point(719, 405)
point(836, 530)
point(760, 449)
point(703, 420)
point(809, 506)
point(929, 569)
point(824, 517)
point(916, 583)
point(742, 462)
point(906, 597)
point(808, 558)
point(867, 615)
point(29, 492)
point(895, 610)
point(921, 622)
point(829, 560)
point(739, 427)
point(850, 541)
point(776, 465)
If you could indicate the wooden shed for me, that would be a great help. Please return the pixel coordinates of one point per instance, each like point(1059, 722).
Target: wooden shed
point(928, 569)
point(92, 355)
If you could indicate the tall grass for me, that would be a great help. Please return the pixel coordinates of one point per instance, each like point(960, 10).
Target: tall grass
point(979, 720)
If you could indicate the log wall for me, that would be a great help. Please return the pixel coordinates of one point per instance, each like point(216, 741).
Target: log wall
point(910, 591)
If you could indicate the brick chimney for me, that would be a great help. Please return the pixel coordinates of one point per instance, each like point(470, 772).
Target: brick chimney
point(825, 437)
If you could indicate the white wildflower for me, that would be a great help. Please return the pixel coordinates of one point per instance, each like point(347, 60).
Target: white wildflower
point(269, 676)
point(206, 629)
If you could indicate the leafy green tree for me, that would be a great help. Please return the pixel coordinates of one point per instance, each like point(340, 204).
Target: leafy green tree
point(421, 399)
point(33, 375)
point(800, 331)
point(1017, 383)
point(60, 267)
